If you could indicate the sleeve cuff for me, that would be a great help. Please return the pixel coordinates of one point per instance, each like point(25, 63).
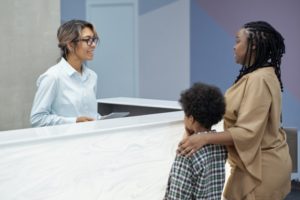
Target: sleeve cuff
point(70, 120)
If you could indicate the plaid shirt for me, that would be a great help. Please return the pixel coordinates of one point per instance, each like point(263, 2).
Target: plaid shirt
point(200, 176)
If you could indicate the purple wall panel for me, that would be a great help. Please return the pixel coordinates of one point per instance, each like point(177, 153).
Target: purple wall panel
point(283, 15)
point(216, 22)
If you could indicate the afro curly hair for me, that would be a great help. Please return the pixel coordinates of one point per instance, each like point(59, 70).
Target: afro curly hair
point(204, 102)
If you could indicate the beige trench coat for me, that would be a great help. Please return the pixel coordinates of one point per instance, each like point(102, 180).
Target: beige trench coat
point(260, 160)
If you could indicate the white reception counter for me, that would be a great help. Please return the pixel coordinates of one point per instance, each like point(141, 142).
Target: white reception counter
point(125, 158)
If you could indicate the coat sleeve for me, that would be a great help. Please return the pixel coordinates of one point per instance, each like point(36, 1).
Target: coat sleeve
point(249, 129)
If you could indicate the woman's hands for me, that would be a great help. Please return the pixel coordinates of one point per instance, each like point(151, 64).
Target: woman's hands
point(193, 141)
point(191, 144)
point(84, 119)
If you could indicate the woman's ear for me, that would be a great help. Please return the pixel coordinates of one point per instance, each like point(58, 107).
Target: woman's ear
point(70, 46)
point(253, 47)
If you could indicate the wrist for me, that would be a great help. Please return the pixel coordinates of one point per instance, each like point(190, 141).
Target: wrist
point(209, 136)
point(206, 138)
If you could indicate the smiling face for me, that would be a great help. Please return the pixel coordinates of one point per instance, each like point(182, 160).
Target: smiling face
point(84, 50)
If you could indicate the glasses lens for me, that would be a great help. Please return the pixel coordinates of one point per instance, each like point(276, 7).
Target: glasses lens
point(92, 40)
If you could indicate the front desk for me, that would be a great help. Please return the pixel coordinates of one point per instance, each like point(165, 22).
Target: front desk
point(126, 158)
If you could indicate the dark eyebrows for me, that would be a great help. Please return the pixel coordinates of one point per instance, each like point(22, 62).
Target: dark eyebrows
point(88, 36)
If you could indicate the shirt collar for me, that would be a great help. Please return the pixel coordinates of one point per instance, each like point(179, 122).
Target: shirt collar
point(71, 71)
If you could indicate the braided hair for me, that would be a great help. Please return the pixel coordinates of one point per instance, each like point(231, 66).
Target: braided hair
point(269, 49)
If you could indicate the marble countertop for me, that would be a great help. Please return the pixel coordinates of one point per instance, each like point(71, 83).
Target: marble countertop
point(72, 130)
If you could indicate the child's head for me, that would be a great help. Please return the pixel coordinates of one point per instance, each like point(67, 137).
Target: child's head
point(204, 103)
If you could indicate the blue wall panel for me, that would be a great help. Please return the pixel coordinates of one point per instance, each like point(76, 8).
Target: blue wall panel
point(211, 50)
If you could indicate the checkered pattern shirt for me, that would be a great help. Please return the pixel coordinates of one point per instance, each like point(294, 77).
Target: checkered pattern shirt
point(198, 177)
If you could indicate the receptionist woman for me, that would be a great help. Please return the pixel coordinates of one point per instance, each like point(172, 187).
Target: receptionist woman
point(66, 92)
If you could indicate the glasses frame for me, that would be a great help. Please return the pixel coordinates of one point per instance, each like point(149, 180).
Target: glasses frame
point(89, 41)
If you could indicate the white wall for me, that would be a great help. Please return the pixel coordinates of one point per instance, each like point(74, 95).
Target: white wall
point(116, 57)
point(164, 46)
point(28, 47)
point(164, 49)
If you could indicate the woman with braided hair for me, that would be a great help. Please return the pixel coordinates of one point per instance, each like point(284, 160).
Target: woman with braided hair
point(257, 149)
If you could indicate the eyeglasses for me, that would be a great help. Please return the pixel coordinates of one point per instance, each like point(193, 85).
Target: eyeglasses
point(89, 41)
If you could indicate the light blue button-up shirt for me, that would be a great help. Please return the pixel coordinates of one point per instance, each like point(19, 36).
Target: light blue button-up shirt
point(63, 94)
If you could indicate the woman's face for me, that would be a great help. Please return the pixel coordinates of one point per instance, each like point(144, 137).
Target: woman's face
point(240, 47)
point(84, 49)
